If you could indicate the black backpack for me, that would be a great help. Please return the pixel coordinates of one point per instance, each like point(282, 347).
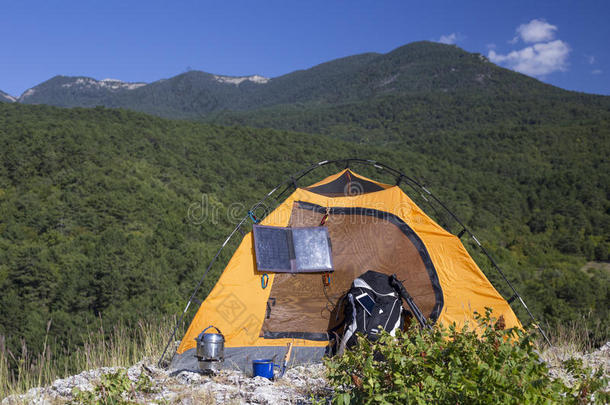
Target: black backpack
point(371, 305)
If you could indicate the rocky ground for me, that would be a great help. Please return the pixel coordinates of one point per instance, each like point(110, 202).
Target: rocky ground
point(300, 385)
point(144, 383)
point(556, 355)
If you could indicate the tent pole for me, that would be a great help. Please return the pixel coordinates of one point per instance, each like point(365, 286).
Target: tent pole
point(197, 289)
point(491, 259)
point(411, 182)
point(493, 262)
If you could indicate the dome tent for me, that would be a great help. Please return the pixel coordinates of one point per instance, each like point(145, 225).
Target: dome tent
point(372, 226)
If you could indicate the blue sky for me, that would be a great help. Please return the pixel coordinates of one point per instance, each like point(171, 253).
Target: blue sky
point(565, 43)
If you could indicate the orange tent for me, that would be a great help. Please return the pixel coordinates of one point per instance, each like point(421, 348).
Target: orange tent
point(372, 226)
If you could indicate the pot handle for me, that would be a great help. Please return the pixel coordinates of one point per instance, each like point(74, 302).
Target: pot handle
point(212, 326)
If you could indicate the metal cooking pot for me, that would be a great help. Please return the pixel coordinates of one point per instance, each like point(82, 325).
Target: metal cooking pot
point(210, 349)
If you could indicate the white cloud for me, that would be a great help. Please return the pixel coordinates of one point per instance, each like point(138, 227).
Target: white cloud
point(597, 72)
point(491, 46)
point(536, 31)
point(545, 54)
point(536, 60)
point(448, 39)
point(591, 59)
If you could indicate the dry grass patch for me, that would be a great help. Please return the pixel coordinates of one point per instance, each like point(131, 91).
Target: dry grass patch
point(122, 346)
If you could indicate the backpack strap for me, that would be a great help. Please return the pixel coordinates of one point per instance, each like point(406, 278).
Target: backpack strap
point(351, 328)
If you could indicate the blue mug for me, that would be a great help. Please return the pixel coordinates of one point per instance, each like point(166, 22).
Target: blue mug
point(263, 368)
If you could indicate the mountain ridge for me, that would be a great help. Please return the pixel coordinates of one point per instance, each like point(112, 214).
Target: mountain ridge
point(6, 98)
point(412, 69)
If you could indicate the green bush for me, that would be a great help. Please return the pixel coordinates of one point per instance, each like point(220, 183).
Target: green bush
point(114, 389)
point(450, 366)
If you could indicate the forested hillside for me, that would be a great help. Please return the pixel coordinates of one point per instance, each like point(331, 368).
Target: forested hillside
point(97, 222)
point(430, 98)
point(552, 147)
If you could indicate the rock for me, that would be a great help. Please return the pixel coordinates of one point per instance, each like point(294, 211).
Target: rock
point(268, 395)
point(82, 381)
point(296, 387)
point(188, 378)
point(555, 356)
point(34, 396)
